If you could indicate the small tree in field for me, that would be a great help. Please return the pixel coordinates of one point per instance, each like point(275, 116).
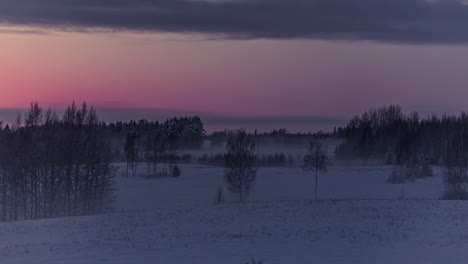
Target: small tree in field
point(176, 172)
point(240, 173)
point(316, 160)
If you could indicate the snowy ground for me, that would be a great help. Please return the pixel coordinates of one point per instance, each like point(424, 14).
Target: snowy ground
point(361, 219)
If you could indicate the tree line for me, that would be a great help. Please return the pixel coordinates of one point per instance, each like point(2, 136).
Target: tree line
point(412, 144)
point(388, 135)
point(156, 144)
point(52, 167)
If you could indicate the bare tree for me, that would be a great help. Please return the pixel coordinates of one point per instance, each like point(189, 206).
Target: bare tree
point(51, 167)
point(240, 158)
point(316, 160)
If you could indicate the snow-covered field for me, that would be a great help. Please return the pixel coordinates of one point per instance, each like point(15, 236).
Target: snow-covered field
point(360, 219)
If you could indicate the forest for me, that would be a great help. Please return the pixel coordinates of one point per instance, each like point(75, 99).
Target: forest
point(388, 135)
point(52, 167)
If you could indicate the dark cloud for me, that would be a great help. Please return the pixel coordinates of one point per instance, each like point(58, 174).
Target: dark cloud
point(23, 31)
point(443, 21)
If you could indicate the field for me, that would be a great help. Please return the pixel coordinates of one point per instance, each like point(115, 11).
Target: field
point(359, 219)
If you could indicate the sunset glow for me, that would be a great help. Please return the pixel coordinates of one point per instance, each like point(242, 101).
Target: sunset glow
point(233, 77)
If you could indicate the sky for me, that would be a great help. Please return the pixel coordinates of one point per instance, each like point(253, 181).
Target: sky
point(304, 65)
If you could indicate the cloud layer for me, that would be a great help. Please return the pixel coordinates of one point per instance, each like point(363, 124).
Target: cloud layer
point(419, 21)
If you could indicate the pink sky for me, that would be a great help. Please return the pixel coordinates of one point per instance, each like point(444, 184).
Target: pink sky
point(255, 77)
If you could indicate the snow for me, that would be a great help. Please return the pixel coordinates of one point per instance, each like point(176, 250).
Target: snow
point(359, 219)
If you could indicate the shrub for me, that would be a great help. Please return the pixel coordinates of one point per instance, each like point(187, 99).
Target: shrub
point(456, 181)
point(176, 172)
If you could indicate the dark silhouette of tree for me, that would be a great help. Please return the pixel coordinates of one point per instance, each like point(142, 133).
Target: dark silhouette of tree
point(388, 135)
point(51, 167)
point(240, 171)
point(132, 152)
point(316, 160)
